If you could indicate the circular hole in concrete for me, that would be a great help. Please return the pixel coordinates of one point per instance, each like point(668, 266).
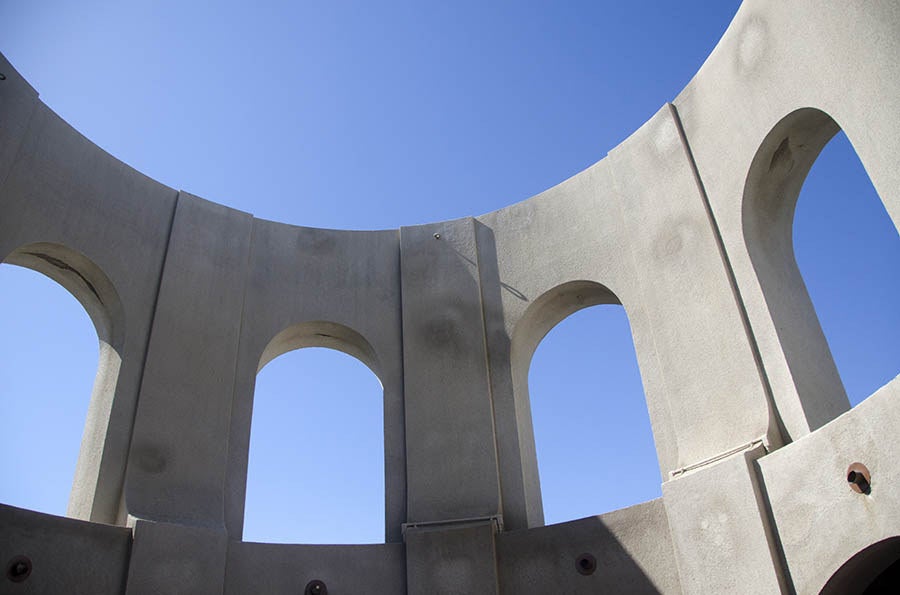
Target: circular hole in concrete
point(315, 587)
point(18, 569)
point(586, 564)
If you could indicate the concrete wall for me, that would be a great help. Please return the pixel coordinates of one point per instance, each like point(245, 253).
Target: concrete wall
point(686, 224)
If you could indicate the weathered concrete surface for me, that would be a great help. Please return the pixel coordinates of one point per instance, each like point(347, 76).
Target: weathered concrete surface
point(179, 449)
point(66, 555)
point(99, 228)
point(176, 560)
point(686, 224)
point(18, 101)
point(777, 58)
point(452, 560)
point(276, 569)
point(544, 560)
point(448, 395)
point(811, 501)
point(720, 529)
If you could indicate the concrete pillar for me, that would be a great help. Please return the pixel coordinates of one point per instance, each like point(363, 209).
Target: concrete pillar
point(450, 445)
point(178, 454)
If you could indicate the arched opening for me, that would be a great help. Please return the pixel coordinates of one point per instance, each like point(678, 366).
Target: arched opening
point(592, 431)
point(574, 367)
point(316, 470)
point(45, 384)
point(772, 189)
point(848, 252)
point(873, 571)
point(58, 382)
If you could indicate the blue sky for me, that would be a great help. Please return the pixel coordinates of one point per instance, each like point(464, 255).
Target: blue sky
point(370, 116)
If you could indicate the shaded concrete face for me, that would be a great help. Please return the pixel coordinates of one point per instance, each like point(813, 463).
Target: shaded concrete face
point(686, 224)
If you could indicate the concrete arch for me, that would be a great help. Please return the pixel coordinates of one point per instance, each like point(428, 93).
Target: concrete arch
point(340, 337)
point(81, 277)
point(774, 180)
point(539, 318)
point(320, 333)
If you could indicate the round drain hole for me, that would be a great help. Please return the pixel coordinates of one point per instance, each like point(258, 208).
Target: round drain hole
point(586, 564)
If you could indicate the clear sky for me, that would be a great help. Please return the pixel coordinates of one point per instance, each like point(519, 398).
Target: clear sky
point(363, 115)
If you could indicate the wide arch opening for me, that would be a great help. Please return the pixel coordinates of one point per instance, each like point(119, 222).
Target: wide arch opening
point(316, 469)
point(58, 382)
point(773, 226)
point(574, 366)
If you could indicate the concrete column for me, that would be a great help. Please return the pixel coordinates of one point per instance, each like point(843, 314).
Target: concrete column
point(450, 445)
point(178, 454)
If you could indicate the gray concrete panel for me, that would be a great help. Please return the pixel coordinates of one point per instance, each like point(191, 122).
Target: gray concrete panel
point(452, 560)
point(450, 445)
point(820, 520)
point(322, 288)
point(65, 555)
point(176, 560)
point(630, 547)
point(721, 531)
point(704, 391)
point(178, 454)
point(277, 569)
point(18, 101)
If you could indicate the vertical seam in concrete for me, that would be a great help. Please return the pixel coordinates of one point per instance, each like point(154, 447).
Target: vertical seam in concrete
point(773, 537)
point(140, 383)
point(25, 134)
point(487, 365)
point(402, 383)
point(402, 388)
point(237, 354)
point(732, 279)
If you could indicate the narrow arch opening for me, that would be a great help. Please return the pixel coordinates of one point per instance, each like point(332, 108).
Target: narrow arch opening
point(48, 361)
point(316, 462)
point(573, 364)
point(592, 432)
point(848, 252)
point(771, 221)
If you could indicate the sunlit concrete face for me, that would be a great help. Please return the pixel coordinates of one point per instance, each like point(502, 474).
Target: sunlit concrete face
point(684, 224)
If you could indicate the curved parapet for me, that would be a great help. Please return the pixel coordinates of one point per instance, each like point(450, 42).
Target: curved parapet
point(685, 224)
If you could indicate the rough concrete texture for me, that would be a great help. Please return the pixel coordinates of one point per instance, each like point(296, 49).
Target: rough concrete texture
point(276, 569)
point(452, 559)
point(812, 502)
point(176, 559)
point(627, 561)
point(65, 555)
point(686, 224)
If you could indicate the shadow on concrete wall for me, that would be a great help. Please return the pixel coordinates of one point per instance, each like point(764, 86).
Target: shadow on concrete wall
point(872, 571)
